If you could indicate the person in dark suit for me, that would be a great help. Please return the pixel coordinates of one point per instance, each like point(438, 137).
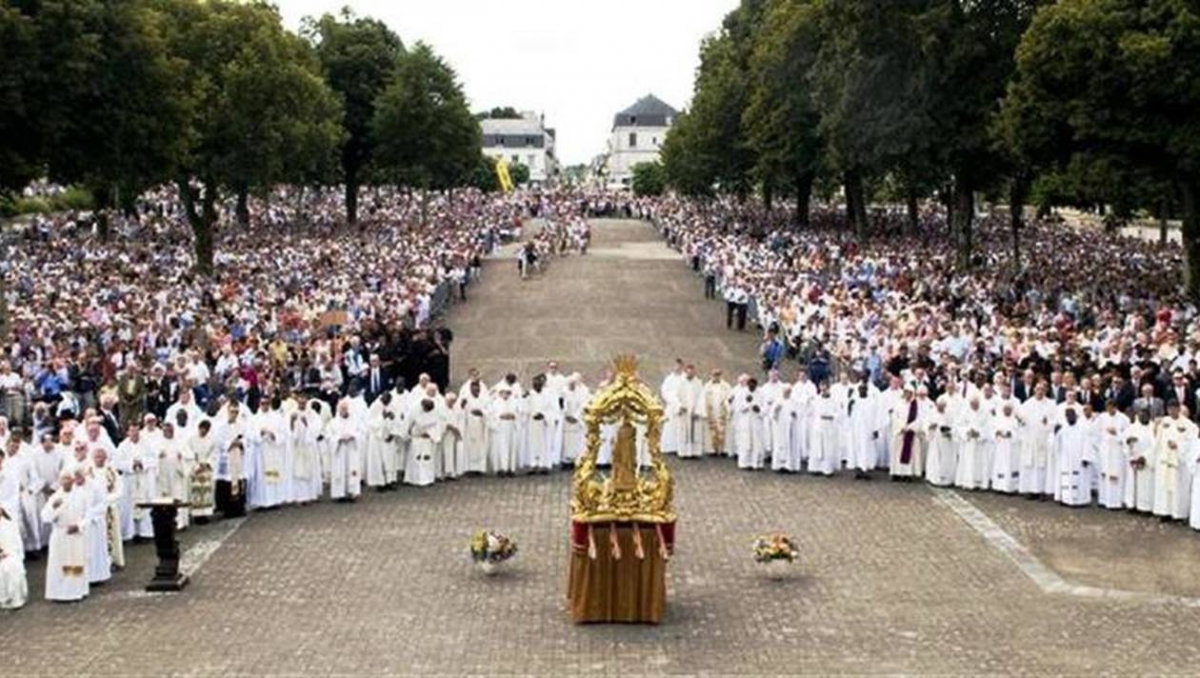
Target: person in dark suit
point(1183, 393)
point(1123, 392)
point(377, 380)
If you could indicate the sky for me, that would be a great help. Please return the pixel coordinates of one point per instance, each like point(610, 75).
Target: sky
point(577, 61)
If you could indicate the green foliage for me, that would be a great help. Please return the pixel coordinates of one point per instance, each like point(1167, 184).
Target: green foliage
point(499, 113)
point(649, 178)
point(21, 142)
point(483, 177)
point(425, 135)
point(519, 173)
point(358, 58)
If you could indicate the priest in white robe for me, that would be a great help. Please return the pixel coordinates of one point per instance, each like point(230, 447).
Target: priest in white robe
point(715, 408)
point(669, 438)
point(20, 463)
point(474, 401)
point(1005, 431)
point(306, 458)
point(1073, 455)
point(1173, 446)
point(1112, 456)
point(971, 432)
point(1037, 416)
point(941, 454)
point(346, 438)
point(824, 456)
point(1139, 441)
point(575, 399)
point(425, 435)
point(66, 511)
point(382, 424)
point(14, 588)
point(175, 463)
point(107, 477)
point(99, 561)
point(454, 454)
point(904, 451)
point(267, 474)
point(144, 476)
point(749, 432)
point(504, 436)
point(689, 413)
point(864, 425)
point(785, 454)
point(542, 410)
point(202, 485)
point(48, 461)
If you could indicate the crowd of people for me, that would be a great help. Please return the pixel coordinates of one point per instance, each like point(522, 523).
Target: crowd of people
point(312, 365)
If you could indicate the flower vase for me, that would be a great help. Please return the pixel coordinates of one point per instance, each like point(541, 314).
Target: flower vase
point(777, 568)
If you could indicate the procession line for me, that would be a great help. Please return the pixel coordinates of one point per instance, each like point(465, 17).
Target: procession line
point(196, 555)
point(1043, 576)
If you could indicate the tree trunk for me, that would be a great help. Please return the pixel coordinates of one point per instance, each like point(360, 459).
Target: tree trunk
point(4, 329)
point(856, 203)
point(1164, 211)
point(202, 221)
point(962, 218)
point(1191, 238)
point(914, 213)
point(351, 198)
point(768, 189)
point(1017, 195)
point(804, 188)
point(243, 206)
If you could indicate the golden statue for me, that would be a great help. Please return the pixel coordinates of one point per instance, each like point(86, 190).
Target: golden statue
point(629, 495)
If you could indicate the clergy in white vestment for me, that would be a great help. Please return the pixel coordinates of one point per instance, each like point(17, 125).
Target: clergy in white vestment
point(749, 428)
point(272, 473)
point(864, 423)
point(803, 394)
point(971, 433)
point(381, 452)
point(1005, 431)
point(454, 455)
point(1073, 453)
point(99, 561)
point(504, 436)
point(542, 411)
point(346, 439)
point(785, 454)
point(1037, 415)
point(768, 393)
point(889, 401)
point(937, 429)
point(14, 588)
point(235, 436)
point(1139, 450)
point(28, 515)
point(474, 401)
point(425, 436)
point(48, 461)
point(1173, 447)
point(575, 399)
point(107, 477)
point(689, 413)
point(1112, 456)
point(202, 488)
point(556, 384)
point(715, 409)
point(185, 403)
point(823, 453)
point(174, 469)
point(306, 428)
point(66, 565)
point(669, 438)
point(905, 429)
point(144, 476)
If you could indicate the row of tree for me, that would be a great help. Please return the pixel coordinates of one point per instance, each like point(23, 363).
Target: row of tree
point(218, 98)
point(1079, 102)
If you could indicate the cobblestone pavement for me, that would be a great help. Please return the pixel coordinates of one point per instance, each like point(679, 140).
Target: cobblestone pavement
point(889, 580)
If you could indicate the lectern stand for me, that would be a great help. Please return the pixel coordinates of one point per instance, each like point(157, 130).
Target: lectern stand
point(167, 577)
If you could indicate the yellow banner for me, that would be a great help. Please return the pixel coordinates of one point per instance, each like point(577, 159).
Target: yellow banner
point(506, 183)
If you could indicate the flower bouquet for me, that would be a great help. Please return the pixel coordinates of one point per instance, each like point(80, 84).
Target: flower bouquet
point(776, 551)
point(489, 549)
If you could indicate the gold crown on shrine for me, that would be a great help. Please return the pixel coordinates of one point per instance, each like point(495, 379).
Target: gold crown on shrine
point(630, 493)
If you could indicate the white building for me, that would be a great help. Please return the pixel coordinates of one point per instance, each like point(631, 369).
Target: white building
point(524, 141)
point(637, 135)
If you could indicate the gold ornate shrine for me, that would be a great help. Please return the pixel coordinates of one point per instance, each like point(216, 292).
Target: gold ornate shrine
point(628, 494)
point(623, 523)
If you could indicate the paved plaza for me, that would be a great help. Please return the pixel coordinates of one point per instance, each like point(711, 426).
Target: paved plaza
point(892, 578)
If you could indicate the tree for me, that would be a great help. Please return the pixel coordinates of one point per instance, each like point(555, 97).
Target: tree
point(499, 113)
point(519, 173)
point(20, 132)
point(359, 57)
point(684, 165)
point(649, 178)
point(132, 90)
point(1118, 82)
point(781, 119)
point(425, 135)
point(260, 112)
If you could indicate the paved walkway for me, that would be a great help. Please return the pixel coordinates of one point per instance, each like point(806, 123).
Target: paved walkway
point(892, 578)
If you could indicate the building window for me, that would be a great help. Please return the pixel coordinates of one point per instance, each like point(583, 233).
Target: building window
point(516, 159)
point(654, 141)
point(633, 120)
point(532, 158)
point(633, 139)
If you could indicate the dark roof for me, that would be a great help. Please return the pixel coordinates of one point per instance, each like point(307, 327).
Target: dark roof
point(649, 111)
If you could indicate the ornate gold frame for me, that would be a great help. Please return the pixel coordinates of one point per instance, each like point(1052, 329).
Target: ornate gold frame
point(625, 496)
